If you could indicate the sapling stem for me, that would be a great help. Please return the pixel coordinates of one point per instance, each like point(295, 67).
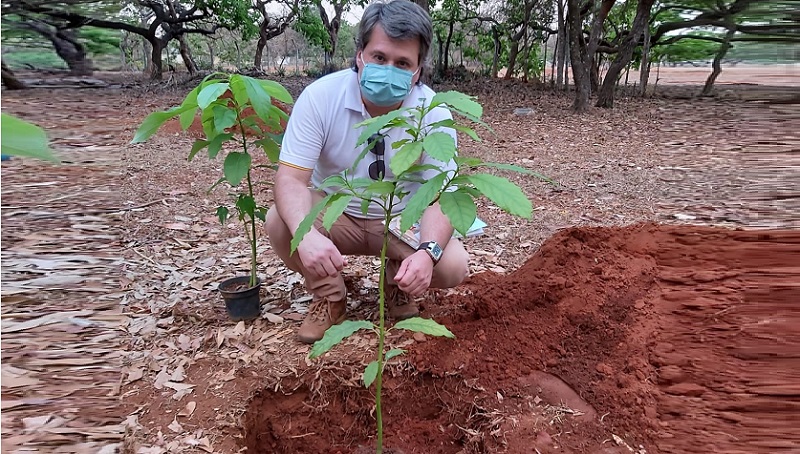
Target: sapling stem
point(381, 339)
point(253, 250)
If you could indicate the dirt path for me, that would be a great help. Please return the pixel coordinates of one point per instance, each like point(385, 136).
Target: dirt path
point(169, 364)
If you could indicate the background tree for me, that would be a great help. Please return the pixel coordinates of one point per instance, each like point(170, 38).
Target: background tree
point(272, 25)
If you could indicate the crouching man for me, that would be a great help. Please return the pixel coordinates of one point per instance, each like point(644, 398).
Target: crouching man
point(391, 49)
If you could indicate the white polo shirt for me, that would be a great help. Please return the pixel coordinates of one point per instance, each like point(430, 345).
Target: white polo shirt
point(320, 134)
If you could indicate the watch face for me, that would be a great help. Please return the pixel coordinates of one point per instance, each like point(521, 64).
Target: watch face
point(436, 250)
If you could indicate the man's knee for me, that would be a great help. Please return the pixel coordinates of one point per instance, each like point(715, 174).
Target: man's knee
point(273, 221)
point(454, 268)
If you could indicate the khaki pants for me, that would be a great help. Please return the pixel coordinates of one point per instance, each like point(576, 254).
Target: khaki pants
point(354, 236)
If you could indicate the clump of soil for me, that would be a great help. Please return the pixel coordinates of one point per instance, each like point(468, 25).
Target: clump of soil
point(645, 338)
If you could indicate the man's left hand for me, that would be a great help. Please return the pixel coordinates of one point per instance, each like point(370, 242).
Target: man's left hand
point(415, 273)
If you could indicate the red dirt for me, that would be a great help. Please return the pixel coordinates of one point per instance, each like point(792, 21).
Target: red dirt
point(669, 333)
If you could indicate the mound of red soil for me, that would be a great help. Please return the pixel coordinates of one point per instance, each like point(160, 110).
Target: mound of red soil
point(664, 338)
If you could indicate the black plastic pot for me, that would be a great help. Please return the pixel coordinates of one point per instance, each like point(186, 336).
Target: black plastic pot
point(243, 303)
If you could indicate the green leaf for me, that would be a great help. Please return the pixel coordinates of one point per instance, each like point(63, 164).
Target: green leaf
point(336, 334)
point(276, 90)
point(187, 117)
point(394, 352)
point(459, 102)
point(400, 143)
point(20, 138)
point(271, 149)
point(420, 201)
point(191, 99)
point(407, 156)
point(365, 203)
point(198, 145)
point(460, 209)
point(446, 123)
point(308, 222)
point(222, 214)
point(467, 161)
point(215, 144)
point(440, 146)
point(246, 205)
point(374, 125)
point(218, 182)
point(224, 118)
point(335, 209)
point(238, 90)
point(468, 131)
point(259, 98)
point(261, 214)
point(381, 187)
point(425, 326)
point(370, 373)
point(336, 181)
point(416, 168)
point(236, 166)
point(207, 121)
point(211, 93)
point(148, 127)
point(503, 193)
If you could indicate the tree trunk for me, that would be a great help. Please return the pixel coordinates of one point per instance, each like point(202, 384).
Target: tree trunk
point(644, 67)
point(210, 54)
point(440, 58)
point(717, 65)
point(332, 26)
point(561, 39)
point(67, 46)
point(580, 68)
point(260, 45)
point(147, 52)
point(10, 80)
point(594, 41)
point(157, 67)
point(512, 59)
point(605, 97)
point(147, 48)
point(497, 50)
point(186, 55)
point(447, 44)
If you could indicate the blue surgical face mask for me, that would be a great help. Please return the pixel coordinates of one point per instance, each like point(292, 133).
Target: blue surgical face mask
point(385, 85)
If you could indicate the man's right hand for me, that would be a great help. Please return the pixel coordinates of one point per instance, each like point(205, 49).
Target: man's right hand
point(319, 255)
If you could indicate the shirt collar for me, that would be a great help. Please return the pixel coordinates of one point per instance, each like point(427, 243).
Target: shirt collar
point(353, 95)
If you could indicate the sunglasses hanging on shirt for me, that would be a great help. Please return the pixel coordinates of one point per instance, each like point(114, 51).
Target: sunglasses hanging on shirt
point(377, 146)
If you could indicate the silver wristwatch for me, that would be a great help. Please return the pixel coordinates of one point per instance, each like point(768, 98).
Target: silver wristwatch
point(433, 249)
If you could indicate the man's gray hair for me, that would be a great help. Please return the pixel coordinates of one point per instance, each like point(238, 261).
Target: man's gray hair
point(401, 20)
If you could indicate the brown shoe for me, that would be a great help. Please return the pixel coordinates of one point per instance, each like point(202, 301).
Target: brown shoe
point(401, 305)
point(322, 314)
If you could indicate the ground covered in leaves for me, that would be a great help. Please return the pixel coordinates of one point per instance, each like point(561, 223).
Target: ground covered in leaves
point(581, 330)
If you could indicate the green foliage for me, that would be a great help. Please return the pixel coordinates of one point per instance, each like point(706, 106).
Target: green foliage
point(232, 14)
point(425, 326)
point(20, 138)
point(336, 334)
point(310, 25)
point(100, 41)
point(455, 191)
point(224, 104)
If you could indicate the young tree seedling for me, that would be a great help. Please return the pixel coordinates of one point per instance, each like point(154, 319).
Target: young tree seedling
point(455, 192)
point(234, 109)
